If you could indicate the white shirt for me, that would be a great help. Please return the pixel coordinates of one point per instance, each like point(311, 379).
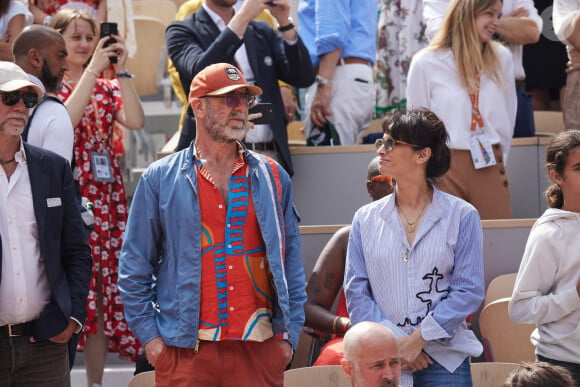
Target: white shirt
point(445, 96)
point(24, 289)
point(51, 127)
point(563, 15)
point(434, 11)
point(260, 133)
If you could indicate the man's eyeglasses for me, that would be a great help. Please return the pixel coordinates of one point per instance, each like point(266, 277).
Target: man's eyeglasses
point(11, 98)
point(390, 143)
point(233, 100)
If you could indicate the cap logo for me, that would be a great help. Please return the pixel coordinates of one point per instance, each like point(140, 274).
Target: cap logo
point(233, 74)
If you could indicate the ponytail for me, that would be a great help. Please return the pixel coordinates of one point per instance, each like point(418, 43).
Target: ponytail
point(554, 196)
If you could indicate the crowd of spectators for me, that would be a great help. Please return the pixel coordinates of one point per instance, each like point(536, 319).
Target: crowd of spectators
point(447, 76)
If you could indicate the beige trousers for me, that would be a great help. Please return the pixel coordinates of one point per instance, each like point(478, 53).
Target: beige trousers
point(486, 189)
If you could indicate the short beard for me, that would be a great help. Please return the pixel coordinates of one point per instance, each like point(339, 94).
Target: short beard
point(214, 130)
point(11, 130)
point(51, 82)
point(224, 3)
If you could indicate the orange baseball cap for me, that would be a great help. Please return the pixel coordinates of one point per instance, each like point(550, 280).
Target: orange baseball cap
point(220, 79)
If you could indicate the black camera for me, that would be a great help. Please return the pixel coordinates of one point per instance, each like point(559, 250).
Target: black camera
point(108, 29)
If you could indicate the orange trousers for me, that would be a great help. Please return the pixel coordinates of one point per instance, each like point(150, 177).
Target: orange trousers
point(222, 364)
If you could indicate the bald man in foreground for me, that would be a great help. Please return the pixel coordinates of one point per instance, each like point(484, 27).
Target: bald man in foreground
point(371, 356)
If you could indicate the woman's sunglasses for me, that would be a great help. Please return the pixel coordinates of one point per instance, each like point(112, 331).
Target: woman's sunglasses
point(11, 98)
point(390, 143)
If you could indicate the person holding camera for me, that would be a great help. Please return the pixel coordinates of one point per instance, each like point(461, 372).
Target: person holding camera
point(94, 105)
point(222, 31)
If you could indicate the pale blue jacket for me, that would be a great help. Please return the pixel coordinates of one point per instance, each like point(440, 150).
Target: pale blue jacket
point(160, 262)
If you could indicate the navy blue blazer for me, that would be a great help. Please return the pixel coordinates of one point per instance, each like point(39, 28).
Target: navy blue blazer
point(196, 43)
point(63, 243)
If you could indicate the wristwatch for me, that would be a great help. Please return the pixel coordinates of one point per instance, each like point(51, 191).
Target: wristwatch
point(322, 81)
point(287, 27)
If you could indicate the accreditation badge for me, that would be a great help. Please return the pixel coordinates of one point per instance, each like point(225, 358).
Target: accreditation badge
point(481, 151)
point(101, 167)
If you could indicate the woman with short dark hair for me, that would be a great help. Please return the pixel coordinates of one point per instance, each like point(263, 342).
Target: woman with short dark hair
point(415, 257)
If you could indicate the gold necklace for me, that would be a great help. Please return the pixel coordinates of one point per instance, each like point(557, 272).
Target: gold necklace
point(412, 226)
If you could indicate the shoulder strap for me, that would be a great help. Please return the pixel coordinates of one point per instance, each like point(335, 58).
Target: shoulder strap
point(40, 101)
point(46, 97)
point(276, 174)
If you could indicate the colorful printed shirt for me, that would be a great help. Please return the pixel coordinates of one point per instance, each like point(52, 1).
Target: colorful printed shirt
point(236, 291)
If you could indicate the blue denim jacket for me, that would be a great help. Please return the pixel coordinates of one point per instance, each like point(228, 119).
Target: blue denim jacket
point(160, 262)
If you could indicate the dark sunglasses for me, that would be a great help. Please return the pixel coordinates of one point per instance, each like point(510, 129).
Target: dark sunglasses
point(390, 143)
point(11, 98)
point(233, 100)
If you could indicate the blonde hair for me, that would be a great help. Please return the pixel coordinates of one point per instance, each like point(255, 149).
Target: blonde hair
point(63, 18)
point(459, 33)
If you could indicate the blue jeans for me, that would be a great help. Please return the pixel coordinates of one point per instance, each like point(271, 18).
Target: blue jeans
point(437, 375)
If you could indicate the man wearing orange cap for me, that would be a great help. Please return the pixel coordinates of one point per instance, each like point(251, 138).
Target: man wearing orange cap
point(222, 31)
point(210, 271)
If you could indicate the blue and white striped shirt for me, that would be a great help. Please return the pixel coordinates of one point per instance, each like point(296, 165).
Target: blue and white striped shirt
point(435, 289)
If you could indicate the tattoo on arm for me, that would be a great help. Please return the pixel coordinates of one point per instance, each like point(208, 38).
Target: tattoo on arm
point(329, 281)
point(317, 290)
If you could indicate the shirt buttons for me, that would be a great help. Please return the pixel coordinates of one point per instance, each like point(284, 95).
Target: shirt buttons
point(231, 308)
point(231, 288)
point(221, 206)
point(230, 267)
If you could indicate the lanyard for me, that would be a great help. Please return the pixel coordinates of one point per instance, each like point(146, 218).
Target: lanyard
point(98, 121)
point(476, 119)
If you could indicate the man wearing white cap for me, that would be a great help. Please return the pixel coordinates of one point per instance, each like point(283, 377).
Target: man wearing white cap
point(45, 262)
point(210, 271)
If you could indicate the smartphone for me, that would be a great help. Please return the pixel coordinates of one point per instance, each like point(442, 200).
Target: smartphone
point(267, 113)
point(108, 29)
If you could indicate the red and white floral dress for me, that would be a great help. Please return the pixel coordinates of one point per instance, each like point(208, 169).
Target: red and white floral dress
point(50, 7)
point(95, 134)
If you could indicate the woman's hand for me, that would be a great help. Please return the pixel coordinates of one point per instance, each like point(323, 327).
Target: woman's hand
point(411, 348)
point(100, 60)
point(423, 361)
point(121, 52)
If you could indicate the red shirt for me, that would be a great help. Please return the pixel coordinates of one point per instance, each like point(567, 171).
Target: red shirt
point(236, 292)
